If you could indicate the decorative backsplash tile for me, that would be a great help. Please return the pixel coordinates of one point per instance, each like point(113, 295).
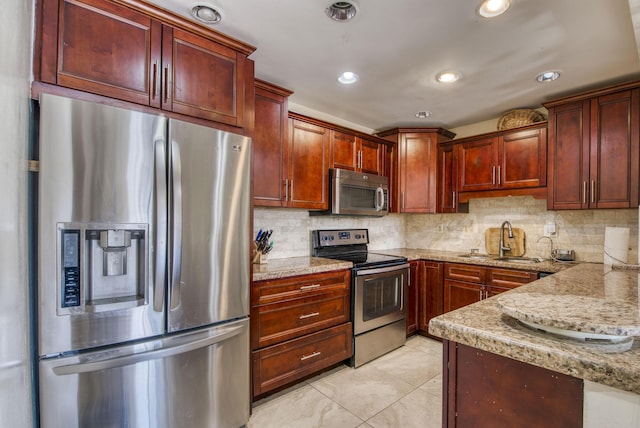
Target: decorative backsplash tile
point(581, 231)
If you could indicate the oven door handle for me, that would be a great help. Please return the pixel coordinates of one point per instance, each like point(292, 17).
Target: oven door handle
point(386, 269)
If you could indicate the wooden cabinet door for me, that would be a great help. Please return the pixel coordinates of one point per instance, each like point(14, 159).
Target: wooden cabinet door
point(614, 158)
point(308, 166)
point(101, 47)
point(447, 179)
point(415, 280)
point(417, 171)
point(477, 165)
point(201, 78)
point(371, 157)
point(344, 151)
point(523, 159)
point(269, 146)
point(430, 294)
point(569, 155)
point(458, 294)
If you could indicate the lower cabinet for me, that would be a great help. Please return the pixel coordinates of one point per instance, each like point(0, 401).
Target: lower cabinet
point(430, 294)
point(299, 326)
point(482, 389)
point(415, 281)
point(279, 365)
point(467, 284)
point(425, 295)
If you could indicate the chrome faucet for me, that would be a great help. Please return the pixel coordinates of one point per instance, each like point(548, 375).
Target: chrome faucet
point(504, 247)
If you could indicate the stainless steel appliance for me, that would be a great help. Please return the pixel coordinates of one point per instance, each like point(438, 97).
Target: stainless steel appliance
point(357, 194)
point(378, 292)
point(143, 276)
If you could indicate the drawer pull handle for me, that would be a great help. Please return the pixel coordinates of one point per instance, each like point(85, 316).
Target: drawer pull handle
point(312, 314)
point(306, 357)
point(309, 287)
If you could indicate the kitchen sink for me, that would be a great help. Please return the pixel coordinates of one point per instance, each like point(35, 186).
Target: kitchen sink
point(519, 259)
point(476, 256)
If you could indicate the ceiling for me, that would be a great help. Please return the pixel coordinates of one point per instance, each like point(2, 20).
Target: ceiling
point(397, 47)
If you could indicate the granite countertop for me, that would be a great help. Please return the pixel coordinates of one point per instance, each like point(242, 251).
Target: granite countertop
point(282, 268)
point(592, 288)
point(460, 257)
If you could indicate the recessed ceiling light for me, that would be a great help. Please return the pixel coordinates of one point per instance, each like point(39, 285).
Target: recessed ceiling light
point(493, 8)
point(547, 76)
point(448, 76)
point(341, 11)
point(206, 13)
point(348, 77)
point(423, 114)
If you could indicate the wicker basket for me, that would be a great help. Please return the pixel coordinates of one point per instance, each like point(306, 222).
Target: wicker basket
point(519, 117)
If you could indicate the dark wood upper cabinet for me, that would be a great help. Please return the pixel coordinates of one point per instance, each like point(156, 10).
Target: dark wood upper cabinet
point(448, 179)
point(270, 145)
point(345, 152)
point(372, 156)
point(102, 47)
point(134, 52)
point(594, 149)
point(356, 153)
point(307, 165)
point(201, 78)
point(417, 162)
point(514, 159)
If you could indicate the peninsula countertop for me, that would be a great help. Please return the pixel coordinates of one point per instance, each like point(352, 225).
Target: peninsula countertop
point(482, 325)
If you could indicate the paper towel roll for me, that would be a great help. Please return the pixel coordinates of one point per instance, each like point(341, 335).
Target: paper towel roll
point(616, 245)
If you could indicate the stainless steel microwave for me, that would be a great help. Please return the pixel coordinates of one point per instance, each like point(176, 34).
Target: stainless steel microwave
point(357, 193)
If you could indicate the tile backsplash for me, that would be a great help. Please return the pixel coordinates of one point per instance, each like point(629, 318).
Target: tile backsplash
point(579, 230)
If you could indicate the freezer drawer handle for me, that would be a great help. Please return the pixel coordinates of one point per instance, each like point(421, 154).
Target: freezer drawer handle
point(106, 360)
point(306, 357)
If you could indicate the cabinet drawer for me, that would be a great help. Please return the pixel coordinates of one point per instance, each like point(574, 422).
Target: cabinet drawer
point(277, 290)
point(508, 278)
point(468, 273)
point(286, 320)
point(287, 362)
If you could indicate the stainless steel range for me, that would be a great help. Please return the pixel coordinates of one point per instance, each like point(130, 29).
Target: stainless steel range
point(378, 291)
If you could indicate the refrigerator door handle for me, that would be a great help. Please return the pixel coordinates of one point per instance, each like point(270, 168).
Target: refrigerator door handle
point(161, 222)
point(107, 361)
point(176, 226)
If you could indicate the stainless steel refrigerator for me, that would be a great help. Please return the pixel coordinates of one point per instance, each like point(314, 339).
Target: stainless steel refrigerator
point(143, 271)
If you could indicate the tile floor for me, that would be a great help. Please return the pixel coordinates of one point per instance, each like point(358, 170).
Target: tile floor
point(400, 389)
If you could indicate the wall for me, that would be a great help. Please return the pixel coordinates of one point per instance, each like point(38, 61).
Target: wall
point(15, 379)
point(582, 231)
point(292, 227)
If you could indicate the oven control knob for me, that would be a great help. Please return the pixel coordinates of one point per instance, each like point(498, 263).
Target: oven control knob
point(358, 236)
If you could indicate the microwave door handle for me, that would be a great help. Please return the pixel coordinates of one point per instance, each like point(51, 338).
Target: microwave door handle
point(379, 198)
point(176, 226)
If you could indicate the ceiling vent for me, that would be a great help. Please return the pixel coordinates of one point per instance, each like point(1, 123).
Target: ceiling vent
point(206, 13)
point(341, 11)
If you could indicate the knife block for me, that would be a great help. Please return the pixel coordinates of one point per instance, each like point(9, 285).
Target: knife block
point(259, 258)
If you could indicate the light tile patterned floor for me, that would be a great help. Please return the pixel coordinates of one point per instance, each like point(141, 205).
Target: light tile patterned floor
point(400, 389)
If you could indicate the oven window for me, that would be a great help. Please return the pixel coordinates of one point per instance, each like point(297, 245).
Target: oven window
point(381, 296)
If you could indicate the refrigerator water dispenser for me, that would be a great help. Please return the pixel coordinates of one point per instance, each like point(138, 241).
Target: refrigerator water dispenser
point(102, 267)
